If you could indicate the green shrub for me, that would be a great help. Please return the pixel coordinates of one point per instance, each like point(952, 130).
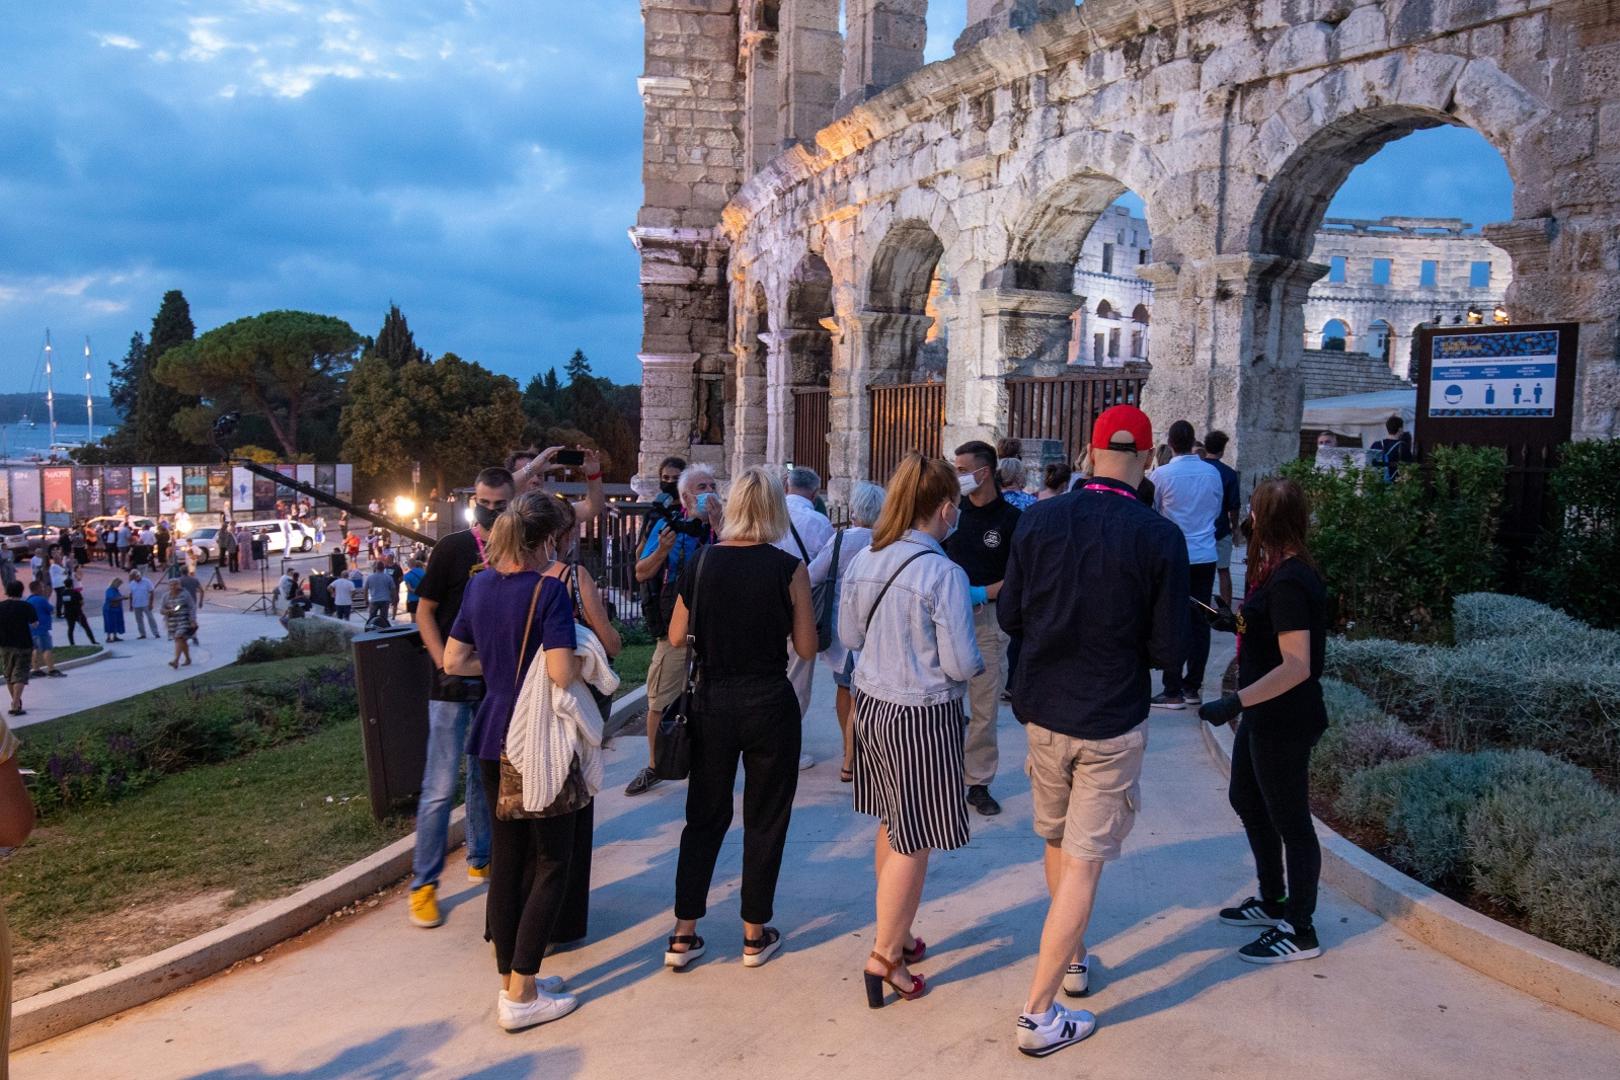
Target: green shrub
point(1572, 890)
point(634, 633)
point(305, 637)
point(1531, 808)
point(1394, 554)
point(1422, 803)
point(1578, 567)
point(1359, 736)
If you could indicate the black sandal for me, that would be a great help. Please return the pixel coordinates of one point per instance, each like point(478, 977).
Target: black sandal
point(768, 945)
point(679, 960)
point(846, 776)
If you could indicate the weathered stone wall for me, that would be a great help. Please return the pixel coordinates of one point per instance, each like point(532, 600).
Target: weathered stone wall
point(1236, 122)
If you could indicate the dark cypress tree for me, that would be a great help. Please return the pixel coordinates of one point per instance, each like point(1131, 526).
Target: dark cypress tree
point(156, 405)
point(395, 342)
point(123, 376)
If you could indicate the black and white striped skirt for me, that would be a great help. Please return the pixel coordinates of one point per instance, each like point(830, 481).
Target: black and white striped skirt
point(908, 772)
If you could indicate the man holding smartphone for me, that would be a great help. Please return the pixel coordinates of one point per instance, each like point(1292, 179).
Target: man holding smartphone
point(528, 469)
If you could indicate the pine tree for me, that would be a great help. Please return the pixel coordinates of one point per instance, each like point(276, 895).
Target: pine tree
point(156, 405)
point(395, 343)
point(578, 367)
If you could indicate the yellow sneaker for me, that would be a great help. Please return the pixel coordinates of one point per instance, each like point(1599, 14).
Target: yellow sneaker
point(425, 906)
point(478, 874)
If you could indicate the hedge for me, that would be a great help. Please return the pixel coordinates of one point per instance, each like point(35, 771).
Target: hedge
point(1578, 562)
point(1359, 736)
point(1572, 893)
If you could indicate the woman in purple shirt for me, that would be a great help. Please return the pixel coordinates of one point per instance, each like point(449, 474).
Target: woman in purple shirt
point(529, 857)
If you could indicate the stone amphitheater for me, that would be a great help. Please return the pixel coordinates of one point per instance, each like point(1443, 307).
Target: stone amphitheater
point(822, 209)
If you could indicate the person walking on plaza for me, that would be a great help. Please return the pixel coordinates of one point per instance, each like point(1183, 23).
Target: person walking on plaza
point(664, 556)
point(112, 611)
point(905, 609)
point(451, 702)
point(510, 618)
point(808, 532)
point(162, 538)
point(832, 566)
point(227, 547)
point(413, 581)
point(742, 601)
point(1284, 626)
point(1097, 585)
point(382, 592)
point(980, 546)
point(1226, 522)
point(59, 577)
point(1188, 490)
point(140, 603)
point(118, 553)
point(180, 616)
point(342, 590)
point(17, 622)
point(142, 551)
point(73, 611)
point(44, 656)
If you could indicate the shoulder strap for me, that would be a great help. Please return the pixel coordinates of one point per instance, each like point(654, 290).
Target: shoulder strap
point(885, 590)
point(697, 584)
point(804, 553)
point(528, 624)
point(838, 544)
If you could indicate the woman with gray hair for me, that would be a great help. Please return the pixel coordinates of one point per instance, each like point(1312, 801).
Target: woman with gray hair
point(865, 504)
point(1014, 476)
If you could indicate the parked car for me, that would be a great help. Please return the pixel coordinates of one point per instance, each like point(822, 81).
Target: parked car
point(41, 537)
point(112, 521)
point(205, 542)
point(282, 535)
point(14, 537)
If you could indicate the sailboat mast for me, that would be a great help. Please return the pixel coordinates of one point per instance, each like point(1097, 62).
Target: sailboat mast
point(89, 399)
point(50, 395)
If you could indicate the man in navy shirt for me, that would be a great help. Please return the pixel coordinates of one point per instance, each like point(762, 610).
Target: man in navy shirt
point(1231, 504)
point(1097, 585)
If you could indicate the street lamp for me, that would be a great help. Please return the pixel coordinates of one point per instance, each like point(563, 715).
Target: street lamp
point(404, 508)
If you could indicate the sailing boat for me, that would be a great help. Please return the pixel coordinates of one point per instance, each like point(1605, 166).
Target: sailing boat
point(61, 448)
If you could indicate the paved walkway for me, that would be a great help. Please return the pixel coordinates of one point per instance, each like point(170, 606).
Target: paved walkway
point(380, 998)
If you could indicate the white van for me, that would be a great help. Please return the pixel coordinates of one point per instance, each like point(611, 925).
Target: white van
point(282, 535)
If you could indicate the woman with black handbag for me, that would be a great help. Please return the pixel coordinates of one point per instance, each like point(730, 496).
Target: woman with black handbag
point(739, 604)
point(512, 616)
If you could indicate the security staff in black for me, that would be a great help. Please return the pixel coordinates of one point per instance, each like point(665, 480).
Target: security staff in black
point(980, 545)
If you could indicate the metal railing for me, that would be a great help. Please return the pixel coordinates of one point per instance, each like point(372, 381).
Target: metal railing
point(905, 418)
point(1064, 407)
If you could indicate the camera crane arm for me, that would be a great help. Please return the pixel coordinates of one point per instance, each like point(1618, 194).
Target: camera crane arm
point(331, 500)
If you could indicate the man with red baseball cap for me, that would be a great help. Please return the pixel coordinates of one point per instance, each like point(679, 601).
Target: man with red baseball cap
point(1097, 585)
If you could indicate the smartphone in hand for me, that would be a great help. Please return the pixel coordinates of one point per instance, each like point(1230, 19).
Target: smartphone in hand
point(569, 458)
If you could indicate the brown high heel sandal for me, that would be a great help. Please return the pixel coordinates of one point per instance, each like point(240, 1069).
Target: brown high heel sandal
point(875, 994)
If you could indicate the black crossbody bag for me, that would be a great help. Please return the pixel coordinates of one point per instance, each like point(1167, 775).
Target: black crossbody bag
point(672, 741)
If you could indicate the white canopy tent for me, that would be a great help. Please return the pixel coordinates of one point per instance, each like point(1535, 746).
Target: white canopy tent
point(1360, 415)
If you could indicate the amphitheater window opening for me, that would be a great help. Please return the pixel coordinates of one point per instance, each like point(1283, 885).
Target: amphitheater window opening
point(1335, 335)
point(808, 317)
point(767, 15)
point(1105, 310)
point(1479, 275)
point(711, 410)
point(1379, 340)
point(1139, 314)
point(907, 285)
point(1113, 344)
point(1380, 190)
point(1108, 258)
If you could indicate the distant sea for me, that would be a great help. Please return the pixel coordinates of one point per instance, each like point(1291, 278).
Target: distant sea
point(18, 442)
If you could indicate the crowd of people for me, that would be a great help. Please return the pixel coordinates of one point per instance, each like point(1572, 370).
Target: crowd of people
point(950, 589)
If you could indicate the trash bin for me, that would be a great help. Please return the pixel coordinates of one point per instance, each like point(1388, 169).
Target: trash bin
point(393, 676)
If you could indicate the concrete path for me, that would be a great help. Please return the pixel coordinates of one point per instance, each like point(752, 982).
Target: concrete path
point(378, 998)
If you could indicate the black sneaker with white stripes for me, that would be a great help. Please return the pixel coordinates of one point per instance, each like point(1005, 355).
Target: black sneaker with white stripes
point(1281, 944)
point(1253, 912)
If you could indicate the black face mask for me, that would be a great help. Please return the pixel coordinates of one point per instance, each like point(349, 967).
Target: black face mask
point(485, 517)
point(670, 488)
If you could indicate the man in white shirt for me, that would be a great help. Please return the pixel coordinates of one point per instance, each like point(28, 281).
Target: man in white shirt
point(58, 583)
point(1187, 490)
point(140, 603)
point(809, 531)
point(342, 596)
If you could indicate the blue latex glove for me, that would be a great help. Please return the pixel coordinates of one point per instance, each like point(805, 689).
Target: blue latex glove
point(978, 594)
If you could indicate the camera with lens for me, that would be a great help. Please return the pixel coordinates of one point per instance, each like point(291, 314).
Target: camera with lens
point(673, 520)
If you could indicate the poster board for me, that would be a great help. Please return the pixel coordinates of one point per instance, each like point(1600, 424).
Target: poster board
point(1493, 372)
point(27, 508)
point(115, 488)
point(306, 475)
point(87, 491)
point(285, 494)
point(241, 490)
point(264, 495)
point(5, 496)
point(219, 489)
point(345, 483)
point(171, 489)
point(56, 486)
point(143, 490)
point(326, 478)
point(195, 489)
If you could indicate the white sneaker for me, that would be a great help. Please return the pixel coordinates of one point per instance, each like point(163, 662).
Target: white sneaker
point(805, 761)
point(546, 1007)
point(1077, 978)
point(1065, 1027)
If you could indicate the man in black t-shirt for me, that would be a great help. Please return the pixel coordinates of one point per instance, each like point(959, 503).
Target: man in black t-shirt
point(980, 545)
point(17, 619)
point(450, 705)
point(1394, 451)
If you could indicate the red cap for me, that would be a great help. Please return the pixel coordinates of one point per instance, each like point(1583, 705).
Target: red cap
point(1122, 427)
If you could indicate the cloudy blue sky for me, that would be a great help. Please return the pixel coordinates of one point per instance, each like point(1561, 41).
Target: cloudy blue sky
point(475, 161)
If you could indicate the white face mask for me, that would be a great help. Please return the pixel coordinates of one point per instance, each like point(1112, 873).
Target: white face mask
point(950, 530)
point(969, 482)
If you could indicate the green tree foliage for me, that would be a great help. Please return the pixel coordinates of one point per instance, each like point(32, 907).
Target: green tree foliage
point(1394, 554)
point(281, 366)
point(160, 405)
point(394, 342)
point(1580, 570)
point(453, 416)
point(588, 411)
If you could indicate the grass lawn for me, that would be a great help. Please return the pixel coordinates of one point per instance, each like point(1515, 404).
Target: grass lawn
point(631, 665)
point(73, 652)
point(95, 887)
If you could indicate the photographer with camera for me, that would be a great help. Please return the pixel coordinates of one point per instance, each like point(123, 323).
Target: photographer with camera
point(674, 541)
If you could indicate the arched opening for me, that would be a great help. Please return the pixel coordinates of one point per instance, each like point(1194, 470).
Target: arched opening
point(904, 286)
point(1335, 336)
point(1139, 333)
point(801, 419)
point(1378, 340)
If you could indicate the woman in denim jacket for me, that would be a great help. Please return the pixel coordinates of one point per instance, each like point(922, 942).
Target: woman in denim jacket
point(905, 610)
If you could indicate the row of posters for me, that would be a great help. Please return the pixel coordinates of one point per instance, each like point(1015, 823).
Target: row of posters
point(60, 494)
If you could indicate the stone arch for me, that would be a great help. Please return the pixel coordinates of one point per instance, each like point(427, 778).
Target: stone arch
point(903, 287)
point(1378, 339)
point(1105, 310)
point(1336, 330)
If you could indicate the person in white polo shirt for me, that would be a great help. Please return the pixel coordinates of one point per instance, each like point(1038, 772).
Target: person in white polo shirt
point(1187, 490)
point(808, 532)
